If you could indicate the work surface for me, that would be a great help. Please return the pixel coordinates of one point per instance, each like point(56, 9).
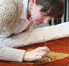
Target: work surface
point(56, 46)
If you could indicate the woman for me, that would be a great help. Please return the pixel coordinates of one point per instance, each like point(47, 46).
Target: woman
point(16, 17)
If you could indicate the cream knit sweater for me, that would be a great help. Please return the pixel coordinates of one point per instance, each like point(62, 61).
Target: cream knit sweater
point(10, 12)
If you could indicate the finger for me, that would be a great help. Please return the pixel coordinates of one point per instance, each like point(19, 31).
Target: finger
point(38, 57)
point(48, 55)
point(42, 51)
point(45, 49)
point(40, 54)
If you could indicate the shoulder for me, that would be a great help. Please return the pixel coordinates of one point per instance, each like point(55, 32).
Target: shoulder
point(10, 11)
point(7, 9)
point(7, 12)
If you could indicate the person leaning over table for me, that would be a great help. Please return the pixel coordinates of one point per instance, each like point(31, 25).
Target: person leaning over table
point(16, 17)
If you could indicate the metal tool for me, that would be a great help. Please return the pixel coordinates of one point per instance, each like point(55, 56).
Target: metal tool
point(45, 45)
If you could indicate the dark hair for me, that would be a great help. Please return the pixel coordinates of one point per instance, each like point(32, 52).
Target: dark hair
point(56, 7)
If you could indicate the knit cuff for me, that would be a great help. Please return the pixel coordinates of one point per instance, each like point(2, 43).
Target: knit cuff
point(11, 54)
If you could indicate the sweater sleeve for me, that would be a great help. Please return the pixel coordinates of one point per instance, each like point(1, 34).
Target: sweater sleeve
point(11, 54)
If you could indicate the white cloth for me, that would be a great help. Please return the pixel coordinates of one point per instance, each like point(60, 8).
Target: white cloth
point(49, 33)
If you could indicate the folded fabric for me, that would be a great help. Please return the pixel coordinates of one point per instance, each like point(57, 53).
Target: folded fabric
point(36, 35)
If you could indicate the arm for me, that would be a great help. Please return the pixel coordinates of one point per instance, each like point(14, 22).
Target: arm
point(8, 53)
point(11, 54)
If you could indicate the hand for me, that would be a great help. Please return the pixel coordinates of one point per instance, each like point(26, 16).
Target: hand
point(37, 53)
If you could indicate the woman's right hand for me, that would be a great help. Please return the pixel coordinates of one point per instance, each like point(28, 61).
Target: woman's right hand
point(37, 53)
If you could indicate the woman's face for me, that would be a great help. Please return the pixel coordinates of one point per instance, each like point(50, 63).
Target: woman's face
point(37, 16)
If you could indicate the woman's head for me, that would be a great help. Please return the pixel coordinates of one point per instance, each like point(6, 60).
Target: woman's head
point(44, 10)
